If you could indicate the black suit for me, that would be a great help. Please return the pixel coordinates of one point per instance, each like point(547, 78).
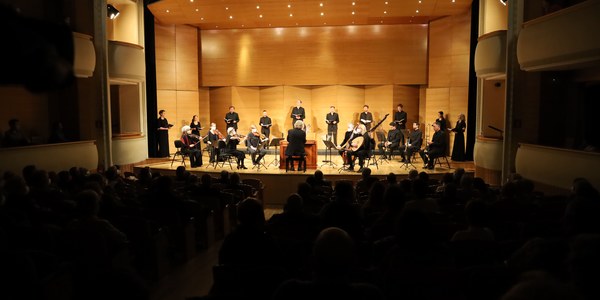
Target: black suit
point(296, 139)
point(229, 118)
point(436, 149)
point(265, 126)
point(400, 118)
point(297, 111)
point(394, 137)
point(415, 139)
point(332, 127)
point(367, 116)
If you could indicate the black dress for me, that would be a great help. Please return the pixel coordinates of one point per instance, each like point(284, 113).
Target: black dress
point(195, 128)
point(162, 137)
point(458, 150)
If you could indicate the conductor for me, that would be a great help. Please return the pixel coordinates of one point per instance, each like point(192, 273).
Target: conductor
point(296, 138)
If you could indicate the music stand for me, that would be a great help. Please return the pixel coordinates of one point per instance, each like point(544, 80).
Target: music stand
point(381, 138)
point(275, 143)
point(407, 160)
point(329, 161)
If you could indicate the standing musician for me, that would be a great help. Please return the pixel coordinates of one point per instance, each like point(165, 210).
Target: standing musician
point(214, 136)
point(393, 140)
point(347, 136)
point(232, 118)
point(413, 143)
point(358, 149)
point(254, 142)
point(366, 117)
point(298, 113)
point(232, 140)
point(191, 141)
point(195, 125)
point(296, 138)
point(265, 124)
point(332, 119)
point(400, 117)
point(440, 119)
point(435, 148)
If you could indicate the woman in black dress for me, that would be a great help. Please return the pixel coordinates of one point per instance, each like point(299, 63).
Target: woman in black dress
point(162, 135)
point(458, 150)
point(195, 125)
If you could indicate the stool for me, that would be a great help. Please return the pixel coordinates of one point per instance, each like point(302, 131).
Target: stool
point(289, 162)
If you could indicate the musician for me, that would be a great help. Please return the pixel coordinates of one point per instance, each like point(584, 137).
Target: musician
point(366, 117)
point(440, 119)
point(214, 136)
point(232, 118)
point(413, 143)
point(232, 140)
point(195, 125)
point(400, 117)
point(296, 138)
point(254, 141)
point(298, 113)
point(332, 119)
point(458, 149)
point(347, 136)
point(358, 149)
point(435, 148)
point(190, 142)
point(393, 140)
point(265, 124)
point(162, 134)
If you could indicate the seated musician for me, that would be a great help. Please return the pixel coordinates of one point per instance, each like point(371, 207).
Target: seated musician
point(347, 137)
point(232, 140)
point(435, 148)
point(413, 144)
point(393, 140)
point(213, 138)
point(360, 145)
point(191, 146)
point(254, 141)
point(296, 138)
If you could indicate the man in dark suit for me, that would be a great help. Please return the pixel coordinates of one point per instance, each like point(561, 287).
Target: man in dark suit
point(298, 113)
point(415, 139)
point(366, 117)
point(265, 124)
point(332, 119)
point(400, 117)
point(232, 118)
point(296, 138)
point(435, 148)
point(393, 140)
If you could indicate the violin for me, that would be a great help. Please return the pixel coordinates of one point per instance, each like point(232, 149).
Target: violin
point(219, 134)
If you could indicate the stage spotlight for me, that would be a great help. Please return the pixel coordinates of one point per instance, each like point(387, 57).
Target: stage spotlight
point(112, 12)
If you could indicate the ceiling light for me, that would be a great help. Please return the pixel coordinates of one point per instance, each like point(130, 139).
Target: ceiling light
point(385, 12)
point(260, 16)
point(321, 4)
point(257, 7)
point(191, 0)
point(503, 2)
point(230, 17)
point(353, 3)
point(226, 8)
point(201, 19)
point(167, 10)
point(386, 2)
point(111, 12)
point(322, 13)
point(289, 5)
point(417, 11)
point(291, 15)
point(352, 12)
point(196, 9)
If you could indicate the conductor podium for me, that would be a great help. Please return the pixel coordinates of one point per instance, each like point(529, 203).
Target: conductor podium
point(311, 154)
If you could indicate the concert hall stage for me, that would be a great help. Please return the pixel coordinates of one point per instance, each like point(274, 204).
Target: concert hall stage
point(279, 183)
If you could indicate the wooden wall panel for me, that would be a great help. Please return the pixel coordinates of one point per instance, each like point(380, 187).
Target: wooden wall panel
point(459, 71)
point(164, 41)
point(186, 43)
point(381, 101)
point(166, 75)
point(408, 96)
point(350, 104)
point(220, 100)
point(187, 75)
point(204, 108)
point(440, 71)
point(315, 56)
point(271, 99)
point(440, 37)
point(187, 106)
point(437, 99)
point(247, 104)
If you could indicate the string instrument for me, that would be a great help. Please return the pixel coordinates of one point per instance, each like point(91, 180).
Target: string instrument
point(378, 123)
point(219, 134)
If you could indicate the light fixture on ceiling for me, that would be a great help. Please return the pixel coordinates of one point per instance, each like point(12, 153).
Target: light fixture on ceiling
point(503, 2)
point(111, 12)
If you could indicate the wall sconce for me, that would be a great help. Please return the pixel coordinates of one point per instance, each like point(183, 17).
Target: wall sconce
point(111, 12)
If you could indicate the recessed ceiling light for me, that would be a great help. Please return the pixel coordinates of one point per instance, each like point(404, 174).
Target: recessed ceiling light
point(191, 0)
point(289, 5)
point(322, 13)
point(291, 15)
point(167, 10)
point(269, 25)
point(260, 16)
point(352, 22)
point(226, 8)
point(419, 1)
point(353, 3)
point(258, 7)
point(296, 24)
point(352, 12)
point(385, 12)
point(243, 25)
point(386, 2)
point(321, 4)
point(196, 9)
point(324, 23)
point(417, 11)
point(381, 22)
point(230, 17)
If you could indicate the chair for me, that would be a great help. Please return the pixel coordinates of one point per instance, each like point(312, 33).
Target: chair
point(179, 146)
point(372, 156)
point(438, 160)
point(223, 157)
point(289, 161)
